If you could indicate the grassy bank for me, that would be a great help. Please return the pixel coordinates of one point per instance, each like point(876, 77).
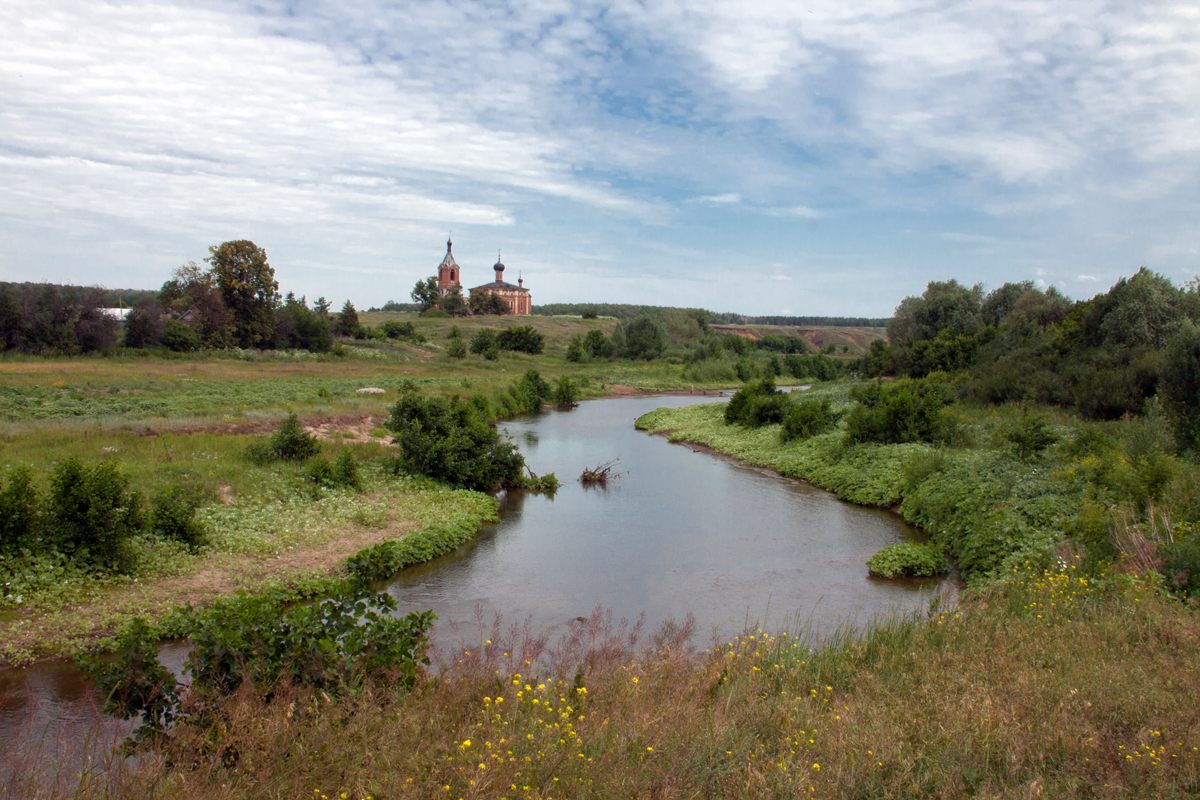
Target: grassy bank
point(1049, 686)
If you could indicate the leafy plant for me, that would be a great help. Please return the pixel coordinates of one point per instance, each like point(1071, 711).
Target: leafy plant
point(173, 515)
point(524, 338)
point(20, 510)
point(93, 511)
point(566, 393)
point(449, 441)
point(1031, 436)
point(341, 473)
point(134, 683)
point(908, 558)
point(289, 442)
point(757, 404)
point(808, 418)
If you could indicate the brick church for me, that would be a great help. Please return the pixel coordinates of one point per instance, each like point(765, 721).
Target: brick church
point(518, 298)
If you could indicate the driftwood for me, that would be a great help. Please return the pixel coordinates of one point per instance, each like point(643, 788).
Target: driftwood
point(600, 475)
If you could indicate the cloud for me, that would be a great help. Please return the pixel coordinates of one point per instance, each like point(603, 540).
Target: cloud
point(729, 197)
point(1086, 278)
point(781, 277)
point(794, 211)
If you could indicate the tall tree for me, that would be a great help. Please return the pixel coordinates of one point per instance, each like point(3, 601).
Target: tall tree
point(249, 289)
point(347, 320)
point(425, 293)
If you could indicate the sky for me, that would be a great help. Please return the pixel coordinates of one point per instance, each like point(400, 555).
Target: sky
point(803, 157)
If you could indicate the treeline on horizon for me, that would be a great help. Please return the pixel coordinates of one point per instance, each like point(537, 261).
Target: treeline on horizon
point(622, 311)
point(1134, 350)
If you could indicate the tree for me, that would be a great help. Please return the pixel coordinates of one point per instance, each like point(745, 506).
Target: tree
point(425, 293)
point(453, 303)
point(488, 304)
point(644, 337)
point(1181, 385)
point(347, 320)
point(249, 289)
point(144, 325)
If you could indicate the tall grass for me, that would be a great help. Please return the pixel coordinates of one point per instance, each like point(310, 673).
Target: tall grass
point(1049, 685)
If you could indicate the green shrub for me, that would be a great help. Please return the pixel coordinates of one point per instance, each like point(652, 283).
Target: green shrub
point(808, 418)
point(484, 343)
point(530, 392)
point(180, 337)
point(173, 515)
point(291, 442)
point(341, 473)
point(449, 441)
point(457, 348)
point(909, 411)
point(20, 510)
point(394, 329)
point(908, 558)
point(1031, 436)
point(523, 338)
point(93, 511)
point(1181, 560)
point(756, 405)
point(575, 349)
point(566, 393)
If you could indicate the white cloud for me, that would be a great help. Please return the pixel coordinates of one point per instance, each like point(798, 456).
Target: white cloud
point(1088, 278)
point(729, 197)
point(795, 211)
point(781, 277)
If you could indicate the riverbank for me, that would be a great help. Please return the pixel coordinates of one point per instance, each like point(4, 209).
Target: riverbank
point(1048, 686)
point(281, 541)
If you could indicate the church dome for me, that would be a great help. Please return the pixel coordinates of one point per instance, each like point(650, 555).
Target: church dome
point(498, 267)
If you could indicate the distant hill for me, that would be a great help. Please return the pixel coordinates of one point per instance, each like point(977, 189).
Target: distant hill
point(834, 322)
point(627, 311)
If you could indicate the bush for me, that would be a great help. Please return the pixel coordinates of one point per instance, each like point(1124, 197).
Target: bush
point(449, 441)
point(484, 343)
point(173, 516)
point(589, 313)
point(756, 405)
point(457, 348)
point(575, 349)
point(93, 512)
point(530, 392)
point(523, 338)
point(341, 473)
point(1031, 436)
point(394, 329)
point(908, 558)
point(566, 393)
point(290, 442)
point(20, 510)
point(808, 418)
point(909, 411)
point(180, 337)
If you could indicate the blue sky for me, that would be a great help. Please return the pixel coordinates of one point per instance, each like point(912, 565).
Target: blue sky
point(798, 157)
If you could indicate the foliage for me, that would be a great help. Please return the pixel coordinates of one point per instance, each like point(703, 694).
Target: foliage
point(808, 418)
point(93, 511)
point(333, 643)
point(908, 558)
point(425, 293)
point(173, 515)
point(489, 304)
point(905, 412)
point(589, 313)
point(531, 391)
point(20, 510)
point(249, 289)
point(457, 347)
point(484, 343)
point(380, 562)
point(289, 442)
point(523, 338)
point(394, 329)
point(1180, 385)
point(297, 327)
point(1031, 436)
point(133, 681)
point(566, 393)
point(54, 320)
point(756, 405)
point(347, 320)
point(341, 473)
point(643, 337)
point(449, 441)
point(945, 305)
point(575, 352)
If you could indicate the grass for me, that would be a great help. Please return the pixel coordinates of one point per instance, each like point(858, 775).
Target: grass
point(1048, 685)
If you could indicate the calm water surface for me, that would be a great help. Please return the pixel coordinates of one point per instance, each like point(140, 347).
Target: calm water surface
point(679, 532)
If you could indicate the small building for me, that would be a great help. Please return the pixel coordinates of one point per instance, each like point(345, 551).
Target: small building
point(518, 298)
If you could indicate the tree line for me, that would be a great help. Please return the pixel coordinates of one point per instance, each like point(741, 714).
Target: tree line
point(1107, 357)
point(233, 302)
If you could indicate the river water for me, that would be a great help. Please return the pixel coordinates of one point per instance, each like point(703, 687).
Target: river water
point(677, 532)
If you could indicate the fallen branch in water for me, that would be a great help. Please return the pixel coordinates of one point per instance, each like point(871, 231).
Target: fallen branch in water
point(600, 475)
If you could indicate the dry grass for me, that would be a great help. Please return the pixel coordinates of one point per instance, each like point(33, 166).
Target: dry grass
point(1051, 687)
